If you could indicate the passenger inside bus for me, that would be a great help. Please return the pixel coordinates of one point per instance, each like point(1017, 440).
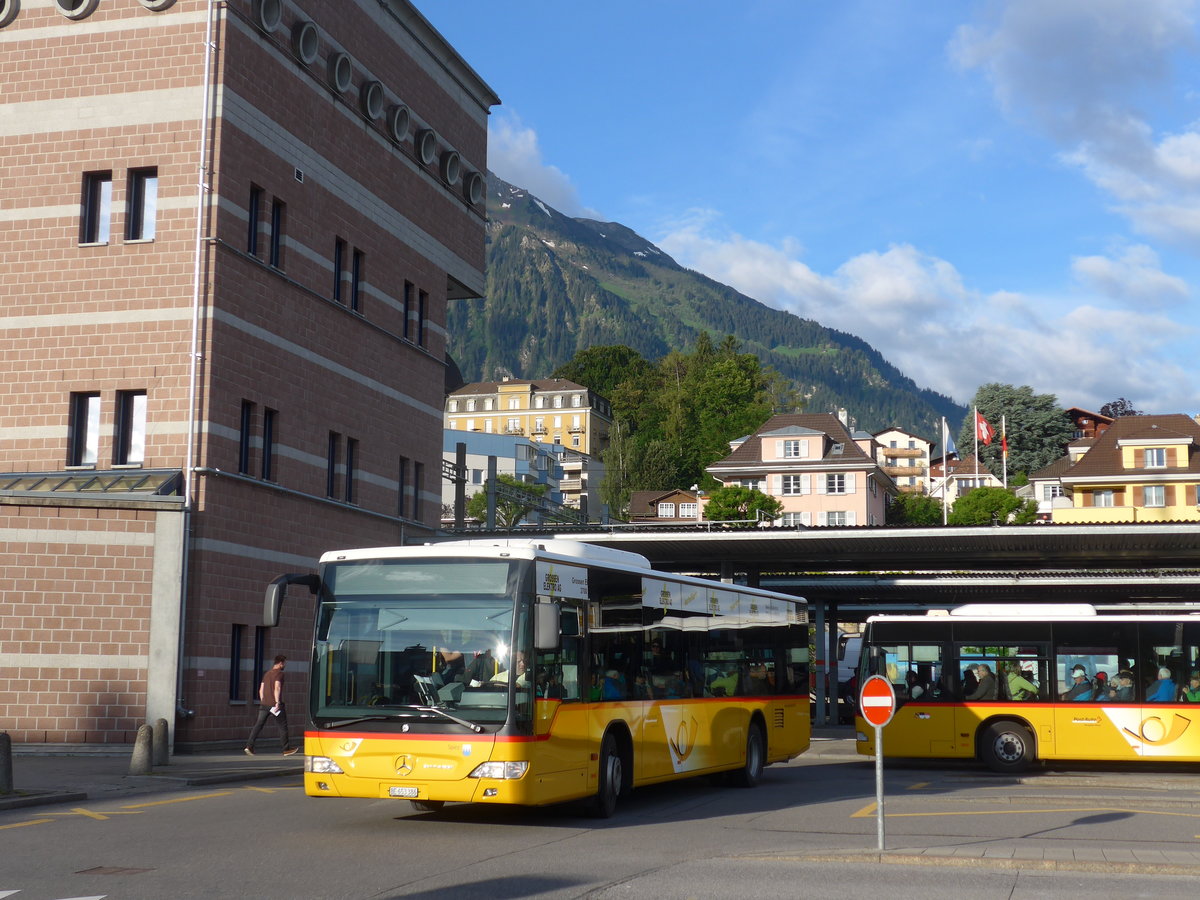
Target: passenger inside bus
point(1019, 686)
point(1163, 690)
point(986, 684)
point(1123, 691)
point(1080, 688)
point(1191, 693)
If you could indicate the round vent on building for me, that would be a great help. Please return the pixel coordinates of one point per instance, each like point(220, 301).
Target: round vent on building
point(157, 5)
point(398, 120)
point(473, 188)
point(76, 9)
point(8, 11)
point(371, 96)
point(426, 146)
point(451, 167)
point(268, 14)
point(340, 72)
point(306, 41)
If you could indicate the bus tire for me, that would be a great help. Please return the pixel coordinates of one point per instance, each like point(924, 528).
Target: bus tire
point(427, 805)
point(1007, 747)
point(750, 774)
point(611, 780)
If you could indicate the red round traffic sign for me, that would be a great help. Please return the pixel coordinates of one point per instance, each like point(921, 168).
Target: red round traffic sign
point(877, 701)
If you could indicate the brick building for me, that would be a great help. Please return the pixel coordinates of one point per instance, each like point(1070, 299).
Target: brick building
point(229, 231)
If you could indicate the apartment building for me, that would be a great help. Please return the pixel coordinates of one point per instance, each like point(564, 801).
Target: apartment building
point(228, 248)
point(527, 461)
point(822, 473)
point(905, 457)
point(549, 410)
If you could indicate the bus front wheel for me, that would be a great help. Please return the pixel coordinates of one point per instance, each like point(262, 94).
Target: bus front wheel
point(612, 778)
point(1007, 747)
point(750, 774)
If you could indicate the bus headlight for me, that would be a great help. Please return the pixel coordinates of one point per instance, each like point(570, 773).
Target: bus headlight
point(322, 765)
point(501, 770)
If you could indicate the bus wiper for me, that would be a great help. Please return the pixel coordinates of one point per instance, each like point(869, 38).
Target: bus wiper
point(342, 723)
point(478, 729)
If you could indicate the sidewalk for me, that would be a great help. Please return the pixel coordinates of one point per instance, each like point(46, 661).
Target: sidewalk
point(42, 779)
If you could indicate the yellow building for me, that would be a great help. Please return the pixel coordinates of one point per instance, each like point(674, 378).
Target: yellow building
point(1142, 469)
point(551, 410)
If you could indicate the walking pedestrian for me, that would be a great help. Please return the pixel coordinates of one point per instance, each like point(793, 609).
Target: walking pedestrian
point(271, 706)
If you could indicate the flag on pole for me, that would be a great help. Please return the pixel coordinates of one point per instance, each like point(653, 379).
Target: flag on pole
point(983, 431)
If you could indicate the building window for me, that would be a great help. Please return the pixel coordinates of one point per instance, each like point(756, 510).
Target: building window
point(275, 255)
point(260, 656)
point(574, 440)
point(339, 267)
point(245, 430)
point(795, 449)
point(539, 402)
point(141, 205)
point(401, 485)
point(331, 463)
point(487, 403)
point(514, 426)
point(129, 439)
point(351, 464)
point(268, 444)
point(835, 519)
point(790, 485)
point(689, 510)
point(408, 298)
point(471, 405)
point(418, 479)
point(1050, 491)
point(1155, 458)
point(514, 402)
point(356, 280)
point(576, 400)
point(84, 430)
point(254, 214)
point(835, 484)
point(235, 661)
point(1104, 498)
point(792, 519)
point(487, 426)
point(422, 313)
point(558, 402)
point(1154, 495)
point(666, 510)
point(96, 212)
point(470, 424)
point(453, 406)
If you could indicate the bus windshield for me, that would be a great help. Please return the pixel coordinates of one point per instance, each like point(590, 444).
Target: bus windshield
point(429, 641)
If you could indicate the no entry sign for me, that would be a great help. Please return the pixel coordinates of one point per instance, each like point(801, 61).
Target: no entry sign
point(877, 701)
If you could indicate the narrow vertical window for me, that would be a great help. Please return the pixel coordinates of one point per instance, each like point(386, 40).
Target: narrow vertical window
point(408, 302)
point(356, 277)
point(254, 213)
point(351, 463)
point(141, 208)
point(418, 478)
point(268, 444)
point(402, 486)
point(129, 439)
point(235, 661)
point(245, 430)
point(331, 464)
point(422, 312)
point(260, 656)
point(339, 267)
point(275, 257)
point(96, 211)
point(84, 430)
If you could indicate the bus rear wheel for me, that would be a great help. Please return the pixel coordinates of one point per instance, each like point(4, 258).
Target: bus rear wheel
point(611, 781)
point(750, 774)
point(1007, 747)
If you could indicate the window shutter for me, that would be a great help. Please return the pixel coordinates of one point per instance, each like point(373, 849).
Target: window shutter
point(849, 482)
point(779, 449)
point(850, 520)
point(804, 449)
point(805, 484)
point(777, 485)
point(821, 518)
point(806, 518)
point(821, 484)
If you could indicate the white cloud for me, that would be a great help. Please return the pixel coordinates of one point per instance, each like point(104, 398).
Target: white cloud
point(915, 309)
point(1134, 276)
point(514, 155)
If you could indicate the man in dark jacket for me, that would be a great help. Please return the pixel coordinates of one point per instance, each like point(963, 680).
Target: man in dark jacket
point(986, 688)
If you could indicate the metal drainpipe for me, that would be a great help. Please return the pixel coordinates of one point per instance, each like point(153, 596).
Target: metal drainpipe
point(203, 189)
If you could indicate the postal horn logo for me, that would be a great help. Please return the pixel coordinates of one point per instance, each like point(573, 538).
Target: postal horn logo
point(684, 741)
point(1155, 732)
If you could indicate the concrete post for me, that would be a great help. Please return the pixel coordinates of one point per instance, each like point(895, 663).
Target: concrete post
point(6, 772)
point(161, 742)
point(141, 761)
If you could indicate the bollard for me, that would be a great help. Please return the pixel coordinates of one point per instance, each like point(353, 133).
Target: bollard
point(140, 762)
point(6, 773)
point(161, 742)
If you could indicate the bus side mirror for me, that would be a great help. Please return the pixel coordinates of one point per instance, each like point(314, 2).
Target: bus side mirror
point(546, 633)
point(275, 591)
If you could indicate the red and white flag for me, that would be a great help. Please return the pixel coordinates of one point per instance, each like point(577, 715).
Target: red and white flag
point(983, 430)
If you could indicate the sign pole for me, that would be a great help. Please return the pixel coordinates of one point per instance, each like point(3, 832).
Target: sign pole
point(877, 704)
point(879, 786)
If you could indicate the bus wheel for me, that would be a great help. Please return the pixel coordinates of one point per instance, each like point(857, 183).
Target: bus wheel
point(1007, 747)
point(612, 777)
point(750, 774)
point(427, 805)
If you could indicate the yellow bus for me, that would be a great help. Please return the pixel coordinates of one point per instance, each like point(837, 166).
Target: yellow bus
point(1013, 684)
point(535, 672)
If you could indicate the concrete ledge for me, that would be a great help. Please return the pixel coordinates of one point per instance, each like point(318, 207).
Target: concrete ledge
point(1085, 859)
point(20, 799)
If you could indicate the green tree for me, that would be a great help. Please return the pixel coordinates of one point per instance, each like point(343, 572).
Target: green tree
point(992, 505)
point(509, 510)
point(910, 508)
point(734, 502)
point(605, 369)
point(1038, 428)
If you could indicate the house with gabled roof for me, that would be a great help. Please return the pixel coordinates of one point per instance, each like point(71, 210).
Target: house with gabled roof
point(905, 457)
point(668, 507)
point(1140, 469)
point(823, 474)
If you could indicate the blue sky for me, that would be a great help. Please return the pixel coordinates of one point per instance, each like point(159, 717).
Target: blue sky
point(1003, 191)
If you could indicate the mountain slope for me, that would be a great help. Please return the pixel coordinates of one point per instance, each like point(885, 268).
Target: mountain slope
point(557, 285)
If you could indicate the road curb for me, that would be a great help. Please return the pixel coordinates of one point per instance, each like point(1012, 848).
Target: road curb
point(908, 858)
point(19, 800)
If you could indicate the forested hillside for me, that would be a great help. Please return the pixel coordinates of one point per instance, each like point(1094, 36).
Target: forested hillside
point(557, 285)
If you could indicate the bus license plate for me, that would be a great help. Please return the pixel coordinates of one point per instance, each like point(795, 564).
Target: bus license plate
point(409, 792)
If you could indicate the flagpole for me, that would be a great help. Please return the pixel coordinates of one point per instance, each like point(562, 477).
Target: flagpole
point(945, 468)
point(1004, 447)
point(975, 428)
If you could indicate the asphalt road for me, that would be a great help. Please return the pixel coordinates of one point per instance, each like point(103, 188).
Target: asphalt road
point(808, 831)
